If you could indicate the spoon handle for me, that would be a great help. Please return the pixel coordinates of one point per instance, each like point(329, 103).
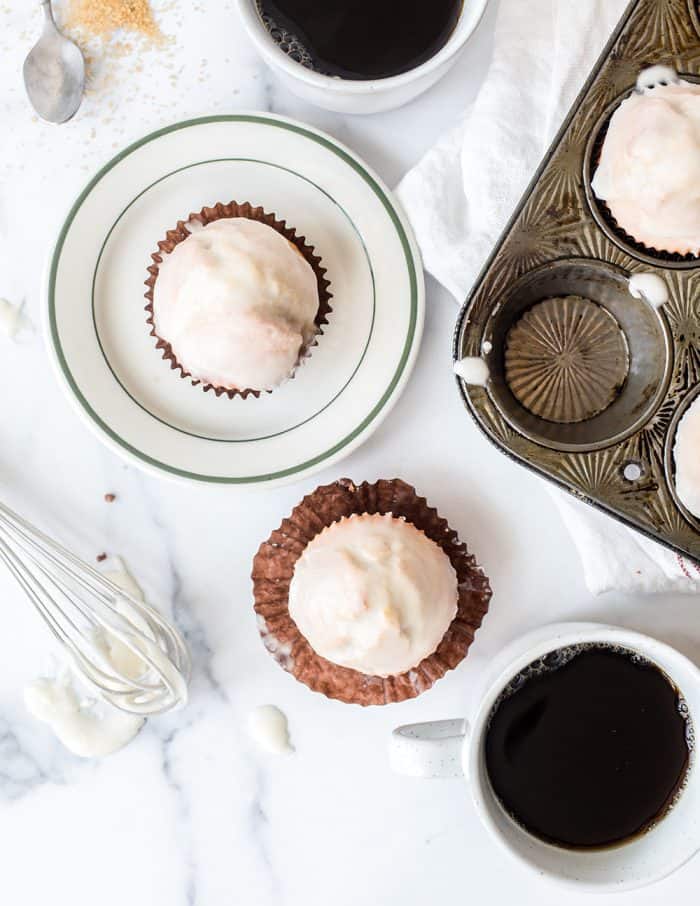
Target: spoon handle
point(48, 12)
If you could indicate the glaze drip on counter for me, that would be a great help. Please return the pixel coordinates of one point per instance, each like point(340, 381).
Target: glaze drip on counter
point(86, 726)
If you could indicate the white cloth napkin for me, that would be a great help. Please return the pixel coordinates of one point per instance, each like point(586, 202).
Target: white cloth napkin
point(460, 196)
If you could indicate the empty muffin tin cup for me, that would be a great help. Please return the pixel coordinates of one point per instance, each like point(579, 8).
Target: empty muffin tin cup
point(576, 363)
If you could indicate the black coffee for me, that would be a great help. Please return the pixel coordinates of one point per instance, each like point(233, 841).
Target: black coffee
point(361, 39)
point(588, 747)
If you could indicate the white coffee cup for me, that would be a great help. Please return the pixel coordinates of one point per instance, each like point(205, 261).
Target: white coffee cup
point(455, 748)
point(354, 96)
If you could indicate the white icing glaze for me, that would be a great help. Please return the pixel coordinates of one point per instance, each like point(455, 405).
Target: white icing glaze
point(237, 303)
point(654, 76)
point(269, 729)
point(124, 658)
point(120, 575)
point(87, 727)
point(650, 287)
point(649, 171)
point(280, 650)
point(686, 454)
point(10, 318)
point(473, 370)
point(373, 593)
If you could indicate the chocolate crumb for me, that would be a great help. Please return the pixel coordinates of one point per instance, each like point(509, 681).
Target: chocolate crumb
point(110, 498)
point(101, 557)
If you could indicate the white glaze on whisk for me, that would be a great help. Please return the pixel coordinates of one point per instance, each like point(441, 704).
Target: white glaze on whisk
point(87, 727)
point(91, 618)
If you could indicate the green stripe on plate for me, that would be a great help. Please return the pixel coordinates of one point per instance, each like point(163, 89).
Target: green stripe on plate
point(299, 467)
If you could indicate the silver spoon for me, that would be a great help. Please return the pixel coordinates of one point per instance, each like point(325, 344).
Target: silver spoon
point(54, 73)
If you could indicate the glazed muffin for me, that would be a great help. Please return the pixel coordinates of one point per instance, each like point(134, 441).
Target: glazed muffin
point(373, 593)
point(648, 173)
point(686, 456)
point(365, 594)
point(235, 301)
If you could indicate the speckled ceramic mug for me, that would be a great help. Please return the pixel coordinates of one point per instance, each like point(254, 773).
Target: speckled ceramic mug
point(455, 748)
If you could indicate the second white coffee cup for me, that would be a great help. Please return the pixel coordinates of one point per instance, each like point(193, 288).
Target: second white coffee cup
point(455, 748)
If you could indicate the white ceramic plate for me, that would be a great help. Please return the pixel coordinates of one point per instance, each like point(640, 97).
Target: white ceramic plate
point(96, 324)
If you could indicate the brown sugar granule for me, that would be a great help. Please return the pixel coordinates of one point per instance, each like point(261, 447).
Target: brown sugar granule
point(101, 557)
point(101, 18)
point(110, 498)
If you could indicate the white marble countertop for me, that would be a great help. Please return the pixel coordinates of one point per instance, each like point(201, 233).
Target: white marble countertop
point(191, 812)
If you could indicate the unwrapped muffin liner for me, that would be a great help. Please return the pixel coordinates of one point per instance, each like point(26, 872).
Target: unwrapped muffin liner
point(219, 212)
point(627, 238)
point(273, 569)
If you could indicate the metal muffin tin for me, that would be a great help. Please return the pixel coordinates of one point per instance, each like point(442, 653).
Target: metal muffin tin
point(562, 242)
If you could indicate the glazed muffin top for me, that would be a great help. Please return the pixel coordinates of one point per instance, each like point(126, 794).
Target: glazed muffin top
point(373, 593)
point(236, 301)
point(686, 455)
point(649, 169)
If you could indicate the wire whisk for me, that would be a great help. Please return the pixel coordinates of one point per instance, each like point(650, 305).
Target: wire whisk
point(124, 649)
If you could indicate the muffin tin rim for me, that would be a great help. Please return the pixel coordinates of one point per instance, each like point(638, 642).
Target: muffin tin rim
point(561, 485)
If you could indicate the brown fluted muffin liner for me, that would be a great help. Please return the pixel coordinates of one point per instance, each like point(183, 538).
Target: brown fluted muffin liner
point(219, 212)
point(273, 569)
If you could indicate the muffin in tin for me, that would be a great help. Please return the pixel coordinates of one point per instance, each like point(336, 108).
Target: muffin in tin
point(686, 456)
point(647, 169)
